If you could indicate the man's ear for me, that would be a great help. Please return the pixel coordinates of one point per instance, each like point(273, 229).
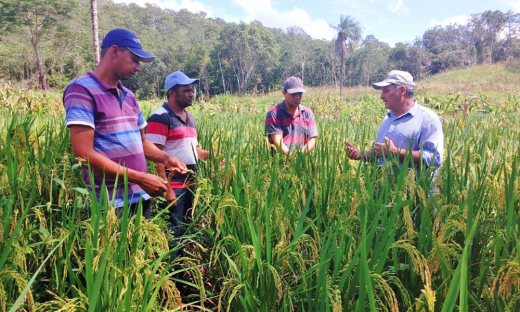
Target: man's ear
point(114, 50)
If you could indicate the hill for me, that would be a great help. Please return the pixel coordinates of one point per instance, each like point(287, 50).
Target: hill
point(499, 78)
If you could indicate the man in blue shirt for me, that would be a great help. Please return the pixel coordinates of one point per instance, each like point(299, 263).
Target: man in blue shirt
point(407, 125)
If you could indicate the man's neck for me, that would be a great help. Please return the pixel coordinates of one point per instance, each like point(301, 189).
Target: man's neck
point(181, 112)
point(292, 110)
point(106, 76)
point(408, 104)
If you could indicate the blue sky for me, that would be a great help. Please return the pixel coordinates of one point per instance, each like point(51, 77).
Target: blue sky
point(390, 21)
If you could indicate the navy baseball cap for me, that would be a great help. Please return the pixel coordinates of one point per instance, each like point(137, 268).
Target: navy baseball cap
point(126, 39)
point(178, 78)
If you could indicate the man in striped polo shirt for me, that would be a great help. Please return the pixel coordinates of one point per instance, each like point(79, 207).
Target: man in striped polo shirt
point(172, 129)
point(106, 125)
point(290, 125)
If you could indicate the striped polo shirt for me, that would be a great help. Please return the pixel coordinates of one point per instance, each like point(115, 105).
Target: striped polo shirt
point(179, 139)
point(116, 121)
point(295, 130)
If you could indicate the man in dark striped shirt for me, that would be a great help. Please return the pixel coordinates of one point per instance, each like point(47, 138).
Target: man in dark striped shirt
point(290, 125)
point(172, 129)
point(106, 125)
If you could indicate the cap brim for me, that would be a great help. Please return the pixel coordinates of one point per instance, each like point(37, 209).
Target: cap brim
point(380, 85)
point(143, 55)
point(188, 82)
point(296, 90)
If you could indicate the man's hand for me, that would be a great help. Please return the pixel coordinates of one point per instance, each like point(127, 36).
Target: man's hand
point(154, 185)
point(353, 152)
point(385, 148)
point(170, 196)
point(175, 165)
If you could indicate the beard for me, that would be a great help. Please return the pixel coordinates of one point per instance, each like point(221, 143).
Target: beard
point(184, 104)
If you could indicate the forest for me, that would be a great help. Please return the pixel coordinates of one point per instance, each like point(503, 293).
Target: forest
point(48, 43)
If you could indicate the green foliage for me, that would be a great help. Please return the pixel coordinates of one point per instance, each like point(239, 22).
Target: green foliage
point(227, 57)
point(270, 232)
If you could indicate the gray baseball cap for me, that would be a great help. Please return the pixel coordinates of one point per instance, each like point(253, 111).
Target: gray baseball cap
point(293, 85)
point(396, 77)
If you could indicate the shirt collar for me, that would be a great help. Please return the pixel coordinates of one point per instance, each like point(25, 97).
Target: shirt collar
point(102, 84)
point(170, 110)
point(301, 108)
point(412, 111)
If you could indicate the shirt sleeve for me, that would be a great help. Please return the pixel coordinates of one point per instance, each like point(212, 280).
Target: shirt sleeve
point(157, 129)
point(433, 143)
point(312, 130)
point(79, 106)
point(141, 123)
point(272, 124)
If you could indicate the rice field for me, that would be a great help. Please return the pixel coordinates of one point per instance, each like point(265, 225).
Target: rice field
point(270, 233)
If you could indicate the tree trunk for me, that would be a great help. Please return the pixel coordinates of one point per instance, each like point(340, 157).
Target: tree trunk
point(303, 67)
point(342, 78)
point(41, 72)
point(93, 10)
point(221, 71)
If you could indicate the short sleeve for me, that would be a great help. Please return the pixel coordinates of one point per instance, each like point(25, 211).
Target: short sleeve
point(432, 141)
point(311, 125)
point(79, 106)
point(272, 124)
point(141, 123)
point(157, 129)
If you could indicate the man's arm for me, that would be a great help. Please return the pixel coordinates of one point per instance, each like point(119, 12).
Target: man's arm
point(203, 154)
point(156, 155)
point(389, 148)
point(161, 171)
point(356, 154)
point(278, 142)
point(309, 147)
point(82, 139)
point(312, 132)
point(274, 131)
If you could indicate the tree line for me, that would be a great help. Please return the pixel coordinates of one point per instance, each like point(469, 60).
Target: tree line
point(47, 43)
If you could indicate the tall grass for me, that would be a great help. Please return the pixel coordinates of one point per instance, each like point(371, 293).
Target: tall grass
point(271, 232)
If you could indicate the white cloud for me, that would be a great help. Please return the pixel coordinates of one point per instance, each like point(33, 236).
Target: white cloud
point(397, 6)
point(459, 20)
point(263, 11)
point(193, 6)
point(516, 5)
point(260, 10)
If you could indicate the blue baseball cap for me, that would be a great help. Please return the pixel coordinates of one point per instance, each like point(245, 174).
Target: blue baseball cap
point(178, 78)
point(126, 39)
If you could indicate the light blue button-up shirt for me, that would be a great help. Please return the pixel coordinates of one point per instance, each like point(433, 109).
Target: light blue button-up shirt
point(420, 126)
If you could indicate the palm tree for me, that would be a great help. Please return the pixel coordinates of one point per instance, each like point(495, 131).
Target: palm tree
point(93, 11)
point(349, 32)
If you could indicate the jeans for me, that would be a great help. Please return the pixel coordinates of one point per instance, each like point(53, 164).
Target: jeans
point(133, 209)
point(180, 214)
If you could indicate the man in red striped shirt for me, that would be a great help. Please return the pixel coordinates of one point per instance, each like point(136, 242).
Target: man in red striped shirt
point(290, 125)
point(172, 129)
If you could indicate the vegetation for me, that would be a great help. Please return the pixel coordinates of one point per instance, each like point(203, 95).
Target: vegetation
point(48, 40)
point(272, 233)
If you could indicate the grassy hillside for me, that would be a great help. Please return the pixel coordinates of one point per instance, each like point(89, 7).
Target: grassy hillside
point(495, 79)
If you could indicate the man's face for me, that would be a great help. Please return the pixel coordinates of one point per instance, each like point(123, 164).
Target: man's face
point(184, 96)
point(127, 64)
point(292, 100)
point(392, 96)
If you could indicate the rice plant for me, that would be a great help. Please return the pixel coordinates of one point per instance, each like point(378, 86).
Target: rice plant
point(271, 232)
